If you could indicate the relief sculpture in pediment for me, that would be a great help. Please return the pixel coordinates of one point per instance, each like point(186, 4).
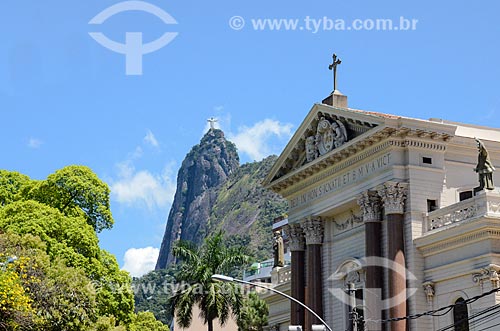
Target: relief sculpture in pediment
point(329, 135)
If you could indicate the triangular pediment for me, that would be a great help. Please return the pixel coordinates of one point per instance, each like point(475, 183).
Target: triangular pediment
point(324, 131)
point(331, 134)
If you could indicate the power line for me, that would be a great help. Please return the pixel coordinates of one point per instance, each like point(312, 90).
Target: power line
point(437, 312)
point(492, 310)
point(487, 319)
point(490, 327)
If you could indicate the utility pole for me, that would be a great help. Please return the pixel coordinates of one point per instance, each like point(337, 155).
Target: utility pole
point(357, 324)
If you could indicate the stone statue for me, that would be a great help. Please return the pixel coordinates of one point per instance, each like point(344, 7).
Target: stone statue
point(311, 150)
point(484, 168)
point(279, 250)
point(212, 122)
point(340, 133)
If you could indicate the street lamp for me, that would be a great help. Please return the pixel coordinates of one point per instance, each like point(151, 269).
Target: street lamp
point(224, 278)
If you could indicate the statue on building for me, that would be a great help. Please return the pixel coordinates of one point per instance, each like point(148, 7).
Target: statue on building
point(484, 168)
point(340, 133)
point(279, 250)
point(311, 150)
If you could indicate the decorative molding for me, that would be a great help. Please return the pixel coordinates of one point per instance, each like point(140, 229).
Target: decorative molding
point(294, 168)
point(454, 216)
point(494, 207)
point(393, 196)
point(425, 145)
point(351, 272)
point(313, 230)
point(356, 277)
point(334, 163)
point(296, 240)
point(429, 291)
point(484, 204)
point(460, 241)
point(348, 223)
point(369, 202)
point(489, 273)
point(480, 277)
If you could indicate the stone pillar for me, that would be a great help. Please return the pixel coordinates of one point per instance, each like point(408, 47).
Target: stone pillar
point(313, 231)
point(393, 196)
point(369, 202)
point(296, 243)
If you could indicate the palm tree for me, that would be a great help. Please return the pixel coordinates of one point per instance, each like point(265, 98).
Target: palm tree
point(214, 299)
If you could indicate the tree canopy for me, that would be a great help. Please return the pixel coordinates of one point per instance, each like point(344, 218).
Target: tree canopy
point(253, 314)
point(76, 191)
point(54, 275)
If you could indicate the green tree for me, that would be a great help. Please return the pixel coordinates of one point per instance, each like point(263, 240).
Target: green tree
point(147, 321)
point(253, 314)
point(216, 300)
point(65, 236)
point(60, 297)
point(151, 292)
point(75, 191)
point(11, 185)
point(62, 280)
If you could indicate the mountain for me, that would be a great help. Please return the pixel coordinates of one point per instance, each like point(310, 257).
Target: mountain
point(214, 192)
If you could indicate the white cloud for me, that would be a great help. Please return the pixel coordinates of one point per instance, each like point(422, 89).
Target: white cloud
point(151, 139)
point(139, 261)
point(34, 143)
point(259, 140)
point(137, 153)
point(143, 187)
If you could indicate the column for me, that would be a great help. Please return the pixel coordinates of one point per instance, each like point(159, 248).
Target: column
point(369, 202)
point(393, 196)
point(313, 232)
point(296, 243)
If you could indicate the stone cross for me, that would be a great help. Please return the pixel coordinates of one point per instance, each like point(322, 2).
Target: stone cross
point(212, 122)
point(335, 63)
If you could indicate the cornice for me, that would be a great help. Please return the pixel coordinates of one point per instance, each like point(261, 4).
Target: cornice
point(370, 143)
point(442, 245)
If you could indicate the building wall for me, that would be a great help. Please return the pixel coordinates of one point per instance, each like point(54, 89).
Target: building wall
point(197, 324)
point(408, 152)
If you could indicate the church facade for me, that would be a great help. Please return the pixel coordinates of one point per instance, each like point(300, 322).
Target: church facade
point(383, 210)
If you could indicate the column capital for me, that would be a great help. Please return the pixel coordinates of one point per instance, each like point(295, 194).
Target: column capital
point(296, 241)
point(369, 203)
point(393, 195)
point(313, 230)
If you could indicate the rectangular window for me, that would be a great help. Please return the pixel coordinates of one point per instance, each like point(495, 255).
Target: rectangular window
point(431, 205)
point(427, 160)
point(465, 195)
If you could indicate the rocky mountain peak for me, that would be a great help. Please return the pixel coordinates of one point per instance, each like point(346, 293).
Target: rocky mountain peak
point(206, 166)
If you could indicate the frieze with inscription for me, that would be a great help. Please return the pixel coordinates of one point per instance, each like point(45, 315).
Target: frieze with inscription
point(340, 181)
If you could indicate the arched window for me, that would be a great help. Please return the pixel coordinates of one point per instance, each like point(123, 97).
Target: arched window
point(461, 315)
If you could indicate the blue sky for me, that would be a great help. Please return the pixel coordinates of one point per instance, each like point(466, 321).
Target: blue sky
point(65, 99)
